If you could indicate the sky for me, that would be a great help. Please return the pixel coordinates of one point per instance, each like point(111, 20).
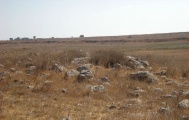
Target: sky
point(66, 18)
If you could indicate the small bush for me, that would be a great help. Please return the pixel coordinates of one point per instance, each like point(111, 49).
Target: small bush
point(107, 58)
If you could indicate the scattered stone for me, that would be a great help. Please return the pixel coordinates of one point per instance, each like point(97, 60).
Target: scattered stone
point(104, 79)
point(95, 88)
point(64, 90)
point(164, 110)
point(2, 78)
point(84, 67)
point(72, 73)
point(30, 87)
point(174, 93)
point(85, 73)
point(186, 93)
point(135, 63)
point(133, 94)
point(19, 72)
point(185, 117)
point(161, 73)
point(45, 75)
point(1, 65)
point(134, 101)
point(29, 59)
point(58, 68)
point(169, 96)
point(117, 66)
point(184, 104)
point(140, 91)
point(67, 118)
point(158, 89)
point(30, 69)
point(127, 105)
point(12, 69)
point(81, 60)
point(29, 64)
point(2, 74)
point(112, 107)
point(144, 76)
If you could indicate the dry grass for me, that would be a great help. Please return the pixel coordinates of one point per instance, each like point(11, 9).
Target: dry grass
point(107, 58)
point(48, 100)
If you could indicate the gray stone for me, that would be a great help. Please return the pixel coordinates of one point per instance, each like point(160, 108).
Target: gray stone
point(144, 76)
point(12, 69)
point(1, 65)
point(112, 107)
point(72, 73)
point(169, 96)
point(135, 63)
point(96, 88)
point(58, 68)
point(104, 79)
point(117, 66)
point(185, 117)
point(161, 73)
point(186, 93)
point(158, 89)
point(64, 90)
point(164, 110)
point(134, 101)
point(184, 104)
point(30, 69)
point(84, 67)
point(85, 75)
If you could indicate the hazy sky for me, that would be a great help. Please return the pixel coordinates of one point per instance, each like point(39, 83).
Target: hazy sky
point(66, 18)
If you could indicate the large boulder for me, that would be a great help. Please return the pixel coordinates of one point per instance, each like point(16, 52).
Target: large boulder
point(135, 63)
point(144, 76)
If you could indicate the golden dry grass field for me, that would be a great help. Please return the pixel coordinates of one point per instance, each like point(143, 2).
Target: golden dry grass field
point(41, 79)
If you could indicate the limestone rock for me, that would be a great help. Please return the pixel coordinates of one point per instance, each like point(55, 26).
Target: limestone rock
point(186, 93)
point(144, 76)
point(164, 110)
point(96, 88)
point(135, 63)
point(184, 104)
point(104, 79)
point(58, 68)
point(72, 73)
